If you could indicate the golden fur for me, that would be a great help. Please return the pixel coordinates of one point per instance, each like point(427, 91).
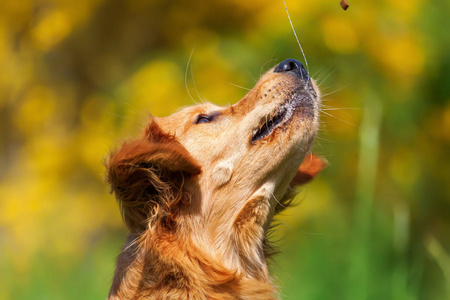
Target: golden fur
point(198, 191)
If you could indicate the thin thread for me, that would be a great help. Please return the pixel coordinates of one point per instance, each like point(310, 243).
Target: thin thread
point(298, 42)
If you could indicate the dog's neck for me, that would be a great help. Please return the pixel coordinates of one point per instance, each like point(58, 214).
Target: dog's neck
point(158, 266)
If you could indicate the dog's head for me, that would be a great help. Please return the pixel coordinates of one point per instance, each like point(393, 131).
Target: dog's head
point(216, 175)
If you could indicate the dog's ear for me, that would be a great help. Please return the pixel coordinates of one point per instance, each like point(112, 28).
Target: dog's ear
point(309, 168)
point(147, 176)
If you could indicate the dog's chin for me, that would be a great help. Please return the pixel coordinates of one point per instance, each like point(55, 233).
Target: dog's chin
point(288, 135)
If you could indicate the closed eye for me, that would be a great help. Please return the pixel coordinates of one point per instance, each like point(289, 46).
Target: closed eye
point(206, 118)
point(203, 119)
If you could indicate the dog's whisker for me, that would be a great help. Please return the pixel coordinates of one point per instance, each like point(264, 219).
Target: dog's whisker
point(186, 77)
point(320, 138)
point(326, 77)
point(331, 87)
point(342, 120)
point(318, 75)
point(277, 200)
point(261, 70)
point(241, 87)
point(319, 72)
point(335, 91)
point(320, 81)
point(254, 79)
point(195, 86)
point(339, 108)
point(116, 115)
point(315, 73)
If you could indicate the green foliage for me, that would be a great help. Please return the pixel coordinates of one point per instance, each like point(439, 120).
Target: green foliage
point(79, 76)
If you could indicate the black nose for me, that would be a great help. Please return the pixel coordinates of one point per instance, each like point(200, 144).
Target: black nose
point(292, 65)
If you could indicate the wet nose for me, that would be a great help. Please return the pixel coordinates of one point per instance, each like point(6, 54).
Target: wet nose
point(292, 65)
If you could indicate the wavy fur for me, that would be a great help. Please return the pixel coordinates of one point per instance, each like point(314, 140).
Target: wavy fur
point(199, 197)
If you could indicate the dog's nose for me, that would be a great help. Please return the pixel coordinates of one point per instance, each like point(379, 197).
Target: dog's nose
point(292, 65)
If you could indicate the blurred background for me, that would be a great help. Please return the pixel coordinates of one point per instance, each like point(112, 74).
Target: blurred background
point(78, 76)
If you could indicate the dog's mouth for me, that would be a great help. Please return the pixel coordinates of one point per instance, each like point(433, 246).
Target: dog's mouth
point(280, 118)
point(301, 103)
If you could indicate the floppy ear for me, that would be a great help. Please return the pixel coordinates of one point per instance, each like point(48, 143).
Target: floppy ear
point(309, 168)
point(147, 175)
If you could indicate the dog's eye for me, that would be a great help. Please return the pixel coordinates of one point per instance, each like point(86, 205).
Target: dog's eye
point(203, 119)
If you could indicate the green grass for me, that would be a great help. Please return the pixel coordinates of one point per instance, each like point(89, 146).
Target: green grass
point(85, 277)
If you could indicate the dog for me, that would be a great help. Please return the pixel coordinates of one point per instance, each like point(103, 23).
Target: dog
point(198, 191)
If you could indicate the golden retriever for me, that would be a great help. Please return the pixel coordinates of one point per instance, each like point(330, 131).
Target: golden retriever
point(198, 191)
